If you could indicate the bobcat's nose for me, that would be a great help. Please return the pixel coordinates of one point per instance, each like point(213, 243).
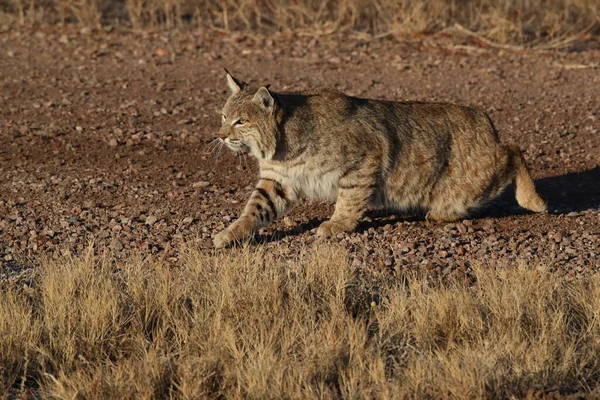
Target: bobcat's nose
point(222, 136)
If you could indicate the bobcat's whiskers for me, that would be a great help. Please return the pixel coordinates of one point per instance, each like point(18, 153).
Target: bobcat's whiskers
point(210, 147)
point(242, 156)
point(214, 147)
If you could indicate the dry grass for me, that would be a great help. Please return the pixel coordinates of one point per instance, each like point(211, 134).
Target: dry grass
point(503, 21)
point(245, 325)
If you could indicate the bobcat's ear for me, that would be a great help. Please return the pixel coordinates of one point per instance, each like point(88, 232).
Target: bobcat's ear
point(264, 99)
point(234, 85)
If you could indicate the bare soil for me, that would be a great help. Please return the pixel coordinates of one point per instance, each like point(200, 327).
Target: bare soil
point(104, 137)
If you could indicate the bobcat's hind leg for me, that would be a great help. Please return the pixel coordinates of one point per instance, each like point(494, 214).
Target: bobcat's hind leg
point(268, 201)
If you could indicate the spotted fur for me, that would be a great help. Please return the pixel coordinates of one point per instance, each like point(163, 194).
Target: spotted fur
point(443, 159)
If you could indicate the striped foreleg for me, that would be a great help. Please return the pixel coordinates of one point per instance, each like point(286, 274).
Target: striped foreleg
point(268, 201)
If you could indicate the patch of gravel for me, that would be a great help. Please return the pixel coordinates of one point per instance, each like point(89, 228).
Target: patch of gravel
point(106, 138)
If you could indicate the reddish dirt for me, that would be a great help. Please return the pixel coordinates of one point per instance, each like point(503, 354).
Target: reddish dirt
point(104, 137)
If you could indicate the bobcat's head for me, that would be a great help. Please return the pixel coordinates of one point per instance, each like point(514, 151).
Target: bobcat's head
point(248, 120)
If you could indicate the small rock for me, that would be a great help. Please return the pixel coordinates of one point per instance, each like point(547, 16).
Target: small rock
point(287, 221)
point(200, 184)
point(573, 214)
point(558, 237)
point(570, 250)
point(150, 219)
point(188, 220)
point(162, 52)
point(113, 142)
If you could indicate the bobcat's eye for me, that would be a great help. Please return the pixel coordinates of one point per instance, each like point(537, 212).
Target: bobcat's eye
point(240, 121)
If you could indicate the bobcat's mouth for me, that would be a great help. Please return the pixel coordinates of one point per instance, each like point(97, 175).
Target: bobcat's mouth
point(236, 146)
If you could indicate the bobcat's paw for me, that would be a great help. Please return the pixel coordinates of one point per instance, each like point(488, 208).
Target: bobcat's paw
point(235, 233)
point(331, 228)
point(434, 216)
point(223, 239)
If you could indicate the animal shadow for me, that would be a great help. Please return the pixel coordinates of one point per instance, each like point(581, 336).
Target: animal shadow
point(295, 231)
point(372, 219)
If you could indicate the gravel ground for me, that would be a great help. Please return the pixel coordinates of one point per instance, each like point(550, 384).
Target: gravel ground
point(104, 137)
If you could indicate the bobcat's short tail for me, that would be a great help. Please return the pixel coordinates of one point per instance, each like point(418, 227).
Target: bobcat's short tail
point(527, 197)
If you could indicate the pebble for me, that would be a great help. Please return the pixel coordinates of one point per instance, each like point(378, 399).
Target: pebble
point(288, 222)
point(570, 250)
point(161, 52)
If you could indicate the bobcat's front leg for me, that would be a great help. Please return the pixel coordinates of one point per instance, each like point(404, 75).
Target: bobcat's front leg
point(269, 200)
point(354, 193)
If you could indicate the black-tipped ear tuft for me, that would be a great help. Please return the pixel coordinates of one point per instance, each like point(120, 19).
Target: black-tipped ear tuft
point(234, 85)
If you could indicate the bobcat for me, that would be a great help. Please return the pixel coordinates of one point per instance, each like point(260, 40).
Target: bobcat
point(443, 159)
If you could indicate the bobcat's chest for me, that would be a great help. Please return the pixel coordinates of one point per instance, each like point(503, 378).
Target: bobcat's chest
point(315, 185)
point(306, 183)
